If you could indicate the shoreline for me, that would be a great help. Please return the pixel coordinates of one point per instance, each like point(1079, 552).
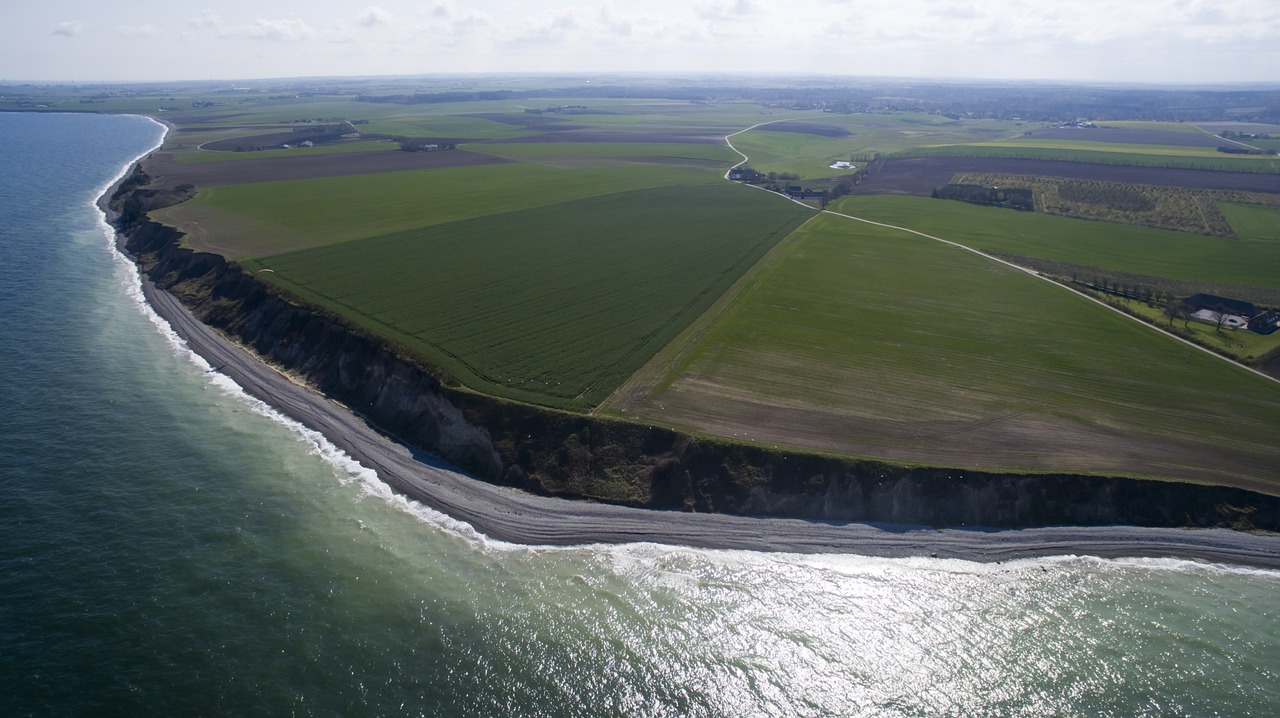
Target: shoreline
point(517, 517)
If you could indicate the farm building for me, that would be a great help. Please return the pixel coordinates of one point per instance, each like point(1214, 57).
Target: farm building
point(1235, 307)
point(1264, 323)
point(1212, 308)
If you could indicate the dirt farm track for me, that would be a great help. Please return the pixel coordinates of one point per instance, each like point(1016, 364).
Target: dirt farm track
point(919, 175)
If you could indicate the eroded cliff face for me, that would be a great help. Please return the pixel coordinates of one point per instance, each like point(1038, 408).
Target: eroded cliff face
point(574, 456)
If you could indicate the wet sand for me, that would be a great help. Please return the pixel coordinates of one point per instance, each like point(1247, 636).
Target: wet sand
point(518, 517)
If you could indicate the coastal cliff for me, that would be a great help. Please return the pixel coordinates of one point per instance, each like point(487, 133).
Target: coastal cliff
point(573, 456)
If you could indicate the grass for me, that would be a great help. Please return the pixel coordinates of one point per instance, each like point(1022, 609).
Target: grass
point(554, 305)
point(810, 155)
point(579, 154)
point(1104, 155)
point(1239, 343)
point(443, 126)
point(1111, 147)
point(1124, 248)
point(873, 341)
point(274, 217)
point(198, 157)
point(1152, 125)
point(1253, 223)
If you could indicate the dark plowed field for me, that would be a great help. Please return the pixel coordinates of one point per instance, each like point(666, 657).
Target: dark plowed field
point(919, 175)
point(605, 136)
point(1128, 137)
point(214, 174)
point(808, 129)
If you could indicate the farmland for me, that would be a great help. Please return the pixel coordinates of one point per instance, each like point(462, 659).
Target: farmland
point(260, 219)
point(1171, 158)
point(585, 254)
point(1173, 208)
point(1125, 248)
point(1252, 222)
point(859, 339)
point(574, 155)
point(919, 175)
point(808, 146)
point(555, 305)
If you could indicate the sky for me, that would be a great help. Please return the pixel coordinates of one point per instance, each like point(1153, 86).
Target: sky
point(1141, 41)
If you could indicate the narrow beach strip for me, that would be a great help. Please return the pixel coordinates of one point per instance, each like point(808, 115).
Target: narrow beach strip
point(517, 517)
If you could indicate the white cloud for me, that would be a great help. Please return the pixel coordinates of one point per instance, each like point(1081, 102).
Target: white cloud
point(70, 28)
point(727, 9)
point(281, 30)
point(138, 30)
point(374, 16)
point(207, 18)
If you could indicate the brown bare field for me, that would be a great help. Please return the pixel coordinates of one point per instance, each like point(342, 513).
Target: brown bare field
point(919, 175)
point(169, 172)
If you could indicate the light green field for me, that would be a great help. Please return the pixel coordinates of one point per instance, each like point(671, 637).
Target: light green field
point(612, 115)
point(1239, 343)
point(865, 340)
point(810, 155)
point(584, 154)
point(1111, 147)
point(444, 126)
point(1254, 223)
point(200, 156)
point(1125, 248)
point(1158, 126)
point(1103, 155)
point(261, 219)
point(555, 305)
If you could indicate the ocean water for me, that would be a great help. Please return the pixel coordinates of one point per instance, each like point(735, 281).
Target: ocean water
point(169, 547)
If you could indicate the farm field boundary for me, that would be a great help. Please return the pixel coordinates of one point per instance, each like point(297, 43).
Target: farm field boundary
point(257, 220)
point(812, 364)
point(1123, 248)
point(554, 305)
point(919, 175)
point(1261, 165)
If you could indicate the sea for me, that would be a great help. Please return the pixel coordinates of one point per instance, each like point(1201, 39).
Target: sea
point(172, 547)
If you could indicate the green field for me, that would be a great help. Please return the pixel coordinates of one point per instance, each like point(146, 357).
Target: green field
point(1239, 343)
point(555, 305)
point(607, 266)
point(810, 155)
point(335, 149)
point(860, 339)
point(1109, 147)
point(570, 155)
point(269, 218)
point(1124, 248)
point(1104, 156)
point(1148, 125)
point(1253, 223)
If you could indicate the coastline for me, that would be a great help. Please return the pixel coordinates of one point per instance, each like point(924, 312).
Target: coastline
point(518, 517)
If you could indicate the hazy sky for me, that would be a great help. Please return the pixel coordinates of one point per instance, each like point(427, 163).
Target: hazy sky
point(1176, 41)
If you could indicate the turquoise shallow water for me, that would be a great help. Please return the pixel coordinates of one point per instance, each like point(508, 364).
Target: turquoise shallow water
point(170, 548)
